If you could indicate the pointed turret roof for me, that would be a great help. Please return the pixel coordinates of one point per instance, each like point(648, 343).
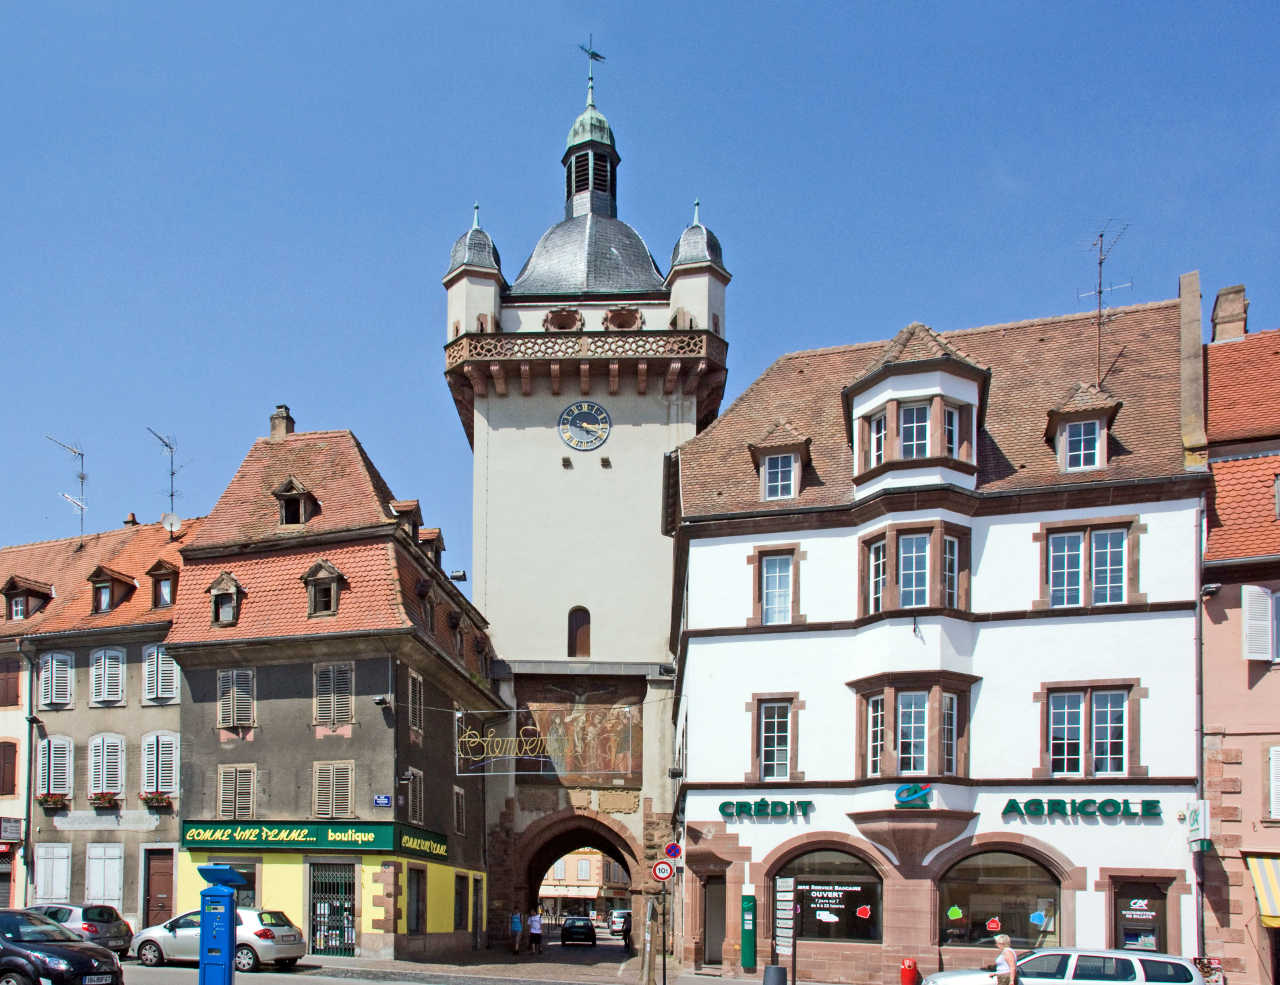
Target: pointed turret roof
point(919, 343)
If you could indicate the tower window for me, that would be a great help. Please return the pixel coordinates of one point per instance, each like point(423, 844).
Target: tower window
point(600, 173)
point(579, 632)
point(581, 172)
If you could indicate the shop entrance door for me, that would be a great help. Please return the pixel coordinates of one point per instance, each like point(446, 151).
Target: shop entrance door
point(1140, 916)
point(333, 909)
point(713, 920)
point(159, 888)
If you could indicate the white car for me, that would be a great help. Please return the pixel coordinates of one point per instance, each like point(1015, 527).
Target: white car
point(261, 936)
point(1046, 965)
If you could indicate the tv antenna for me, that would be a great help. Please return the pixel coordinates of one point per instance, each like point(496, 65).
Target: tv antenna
point(170, 447)
point(77, 502)
point(1104, 251)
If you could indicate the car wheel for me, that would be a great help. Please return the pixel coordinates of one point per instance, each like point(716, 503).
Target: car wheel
point(246, 958)
point(149, 954)
point(287, 964)
point(13, 978)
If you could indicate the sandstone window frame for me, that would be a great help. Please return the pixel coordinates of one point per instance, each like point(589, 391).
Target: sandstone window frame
point(938, 531)
point(885, 688)
point(1137, 693)
point(754, 709)
point(880, 446)
point(1133, 528)
point(755, 560)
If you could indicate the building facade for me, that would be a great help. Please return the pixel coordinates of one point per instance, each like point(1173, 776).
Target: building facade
point(936, 648)
point(585, 883)
point(325, 659)
point(1241, 674)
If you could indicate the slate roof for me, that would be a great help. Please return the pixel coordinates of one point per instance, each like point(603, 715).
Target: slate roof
point(333, 468)
point(589, 254)
point(1243, 380)
point(1242, 511)
point(1032, 365)
point(697, 244)
point(474, 248)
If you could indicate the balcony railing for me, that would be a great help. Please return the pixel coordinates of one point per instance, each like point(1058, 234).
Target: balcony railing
point(531, 346)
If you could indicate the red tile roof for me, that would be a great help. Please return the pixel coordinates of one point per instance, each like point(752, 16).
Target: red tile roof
point(919, 343)
point(1242, 510)
point(1034, 365)
point(330, 465)
point(1243, 381)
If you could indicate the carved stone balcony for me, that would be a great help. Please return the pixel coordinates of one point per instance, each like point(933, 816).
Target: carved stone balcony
point(693, 362)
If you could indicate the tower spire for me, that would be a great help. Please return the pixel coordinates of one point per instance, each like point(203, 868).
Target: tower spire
point(592, 56)
point(475, 217)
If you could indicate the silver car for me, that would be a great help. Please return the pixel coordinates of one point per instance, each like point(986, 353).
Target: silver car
point(1093, 967)
point(261, 936)
point(93, 921)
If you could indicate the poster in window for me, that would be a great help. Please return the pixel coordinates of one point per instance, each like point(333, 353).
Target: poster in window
point(838, 909)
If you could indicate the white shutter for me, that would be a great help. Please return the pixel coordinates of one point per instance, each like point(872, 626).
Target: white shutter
point(1275, 783)
point(235, 698)
point(226, 685)
point(104, 873)
point(149, 750)
point(151, 672)
point(342, 681)
point(167, 674)
point(95, 765)
point(1255, 636)
point(323, 800)
point(343, 775)
point(107, 675)
point(415, 702)
point(227, 792)
point(53, 873)
point(97, 685)
point(324, 693)
point(54, 766)
point(55, 679)
point(46, 681)
point(166, 768)
point(113, 765)
point(244, 791)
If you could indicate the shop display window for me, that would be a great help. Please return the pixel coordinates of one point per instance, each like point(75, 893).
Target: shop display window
point(838, 897)
point(998, 893)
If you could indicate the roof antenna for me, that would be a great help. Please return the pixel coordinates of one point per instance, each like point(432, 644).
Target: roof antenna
point(167, 520)
point(78, 503)
point(475, 224)
point(696, 220)
point(592, 56)
point(1103, 253)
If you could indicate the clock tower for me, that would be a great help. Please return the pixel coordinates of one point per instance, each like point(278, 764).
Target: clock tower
point(574, 382)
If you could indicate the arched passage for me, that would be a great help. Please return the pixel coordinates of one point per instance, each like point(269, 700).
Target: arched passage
point(547, 839)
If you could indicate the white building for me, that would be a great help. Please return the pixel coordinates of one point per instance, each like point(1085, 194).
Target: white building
point(937, 647)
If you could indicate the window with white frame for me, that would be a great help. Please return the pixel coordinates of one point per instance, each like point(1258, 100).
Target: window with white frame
point(775, 589)
point(1066, 733)
point(162, 591)
point(913, 731)
point(160, 763)
point(102, 596)
point(236, 792)
point(1096, 554)
point(236, 698)
point(334, 789)
point(416, 794)
point(950, 732)
point(951, 572)
point(53, 766)
point(1082, 445)
point(106, 764)
point(1260, 611)
point(55, 679)
point(878, 431)
point(1108, 732)
point(913, 570)
point(160, 674)
point(417, 702)
point(18, 607)
point(334, 685)
point(584, 869)
point(1064, 569)
point(775, 740)
point(106, 676)
point(913, 430)
point(558, 871)
point(1108, 566)
point(779, 476)
point(951, 432)
point(875, 734)
point(876, 573)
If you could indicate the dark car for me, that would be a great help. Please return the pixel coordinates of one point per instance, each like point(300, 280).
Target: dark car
point(578, 930)
point(94, 922)
point(34, 949)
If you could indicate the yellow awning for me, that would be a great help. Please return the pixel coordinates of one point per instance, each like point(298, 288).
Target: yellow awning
point(1266, 882)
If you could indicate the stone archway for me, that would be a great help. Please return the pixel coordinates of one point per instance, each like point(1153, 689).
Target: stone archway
point(550, 837)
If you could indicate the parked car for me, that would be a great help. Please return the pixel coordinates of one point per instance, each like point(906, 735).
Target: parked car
point(261, 936)
point(1058, 964)
point(615, 921)
point(92, 921)
point(34, 948)
point(578, 930)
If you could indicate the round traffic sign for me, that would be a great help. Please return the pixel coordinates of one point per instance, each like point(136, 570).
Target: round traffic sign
point(672, 850)
point(663, 870)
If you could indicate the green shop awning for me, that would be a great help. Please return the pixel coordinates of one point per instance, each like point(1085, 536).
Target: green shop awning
point(375, 837)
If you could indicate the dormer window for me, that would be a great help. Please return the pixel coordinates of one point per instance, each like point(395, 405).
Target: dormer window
point(110, 588)
point(779, 476)
point(225, 594)
point(1078, 428)
point(23, 598)
point(913, 430)
point(950, 431)
point(1082, 445)
point(780, 456)
point(18, 607)
point(297, 505)
point(164, 584)
point(102, 597)
point(324, 583)
point(878, 430)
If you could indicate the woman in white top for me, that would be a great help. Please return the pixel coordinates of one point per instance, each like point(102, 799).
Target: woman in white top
point(1006, 961)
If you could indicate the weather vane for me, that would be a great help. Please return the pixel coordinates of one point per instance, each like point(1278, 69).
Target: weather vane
point(592, 56)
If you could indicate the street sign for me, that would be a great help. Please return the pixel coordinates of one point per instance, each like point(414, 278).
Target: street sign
point(663, 870)
point(382, 800)
point(672, 850)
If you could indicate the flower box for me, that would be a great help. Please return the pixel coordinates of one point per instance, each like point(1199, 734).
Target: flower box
point(53, 801)
point(104, 801)
point(155, 799)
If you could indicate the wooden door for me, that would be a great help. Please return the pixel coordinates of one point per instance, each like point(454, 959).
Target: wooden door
point(159, 890)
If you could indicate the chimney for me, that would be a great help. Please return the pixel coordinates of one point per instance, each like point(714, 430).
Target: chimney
point(1230, 314)
point(281, 423)
point(131, 520)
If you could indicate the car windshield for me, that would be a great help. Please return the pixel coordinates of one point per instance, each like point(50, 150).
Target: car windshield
point(32, 928)
point(575, 921)
point(274, 918)
point(101, 914)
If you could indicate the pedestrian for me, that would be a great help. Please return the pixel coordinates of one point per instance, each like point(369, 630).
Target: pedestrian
point(517, 926)
point(535, 932)
point(626, 931)
point(1006, 961)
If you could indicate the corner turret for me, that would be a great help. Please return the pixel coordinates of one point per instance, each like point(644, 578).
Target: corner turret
point(474, 283)
point(697, 279)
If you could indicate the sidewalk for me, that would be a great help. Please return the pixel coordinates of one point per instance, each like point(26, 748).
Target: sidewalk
point(492, 964)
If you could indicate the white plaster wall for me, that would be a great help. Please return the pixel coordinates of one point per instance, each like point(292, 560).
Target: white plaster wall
point(913, 478)
point(916, 386)
point(528, 317)
point(702, 295)
point(468, 297)
point(548, 538)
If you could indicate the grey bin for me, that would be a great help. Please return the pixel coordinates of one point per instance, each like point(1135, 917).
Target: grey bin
point(775, 974)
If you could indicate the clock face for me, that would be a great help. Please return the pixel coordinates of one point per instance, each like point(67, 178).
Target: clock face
point(584, 425)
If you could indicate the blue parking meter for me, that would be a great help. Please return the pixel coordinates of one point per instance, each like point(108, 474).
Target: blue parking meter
point(218, 924)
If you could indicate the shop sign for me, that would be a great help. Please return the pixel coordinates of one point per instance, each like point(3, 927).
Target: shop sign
point(1087, 807)
point(1198, 826)
point(10, 829)
point(913, 796)
point(765, 808)
point(421, 842)
point(377, 836)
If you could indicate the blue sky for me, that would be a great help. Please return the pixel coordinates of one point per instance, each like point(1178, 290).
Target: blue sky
point(212, 209)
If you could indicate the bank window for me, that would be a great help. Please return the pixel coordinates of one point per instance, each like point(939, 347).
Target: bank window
point(913, 731)
point(236, 792)
point(1066, 731)
point(779, 476)
point(876, 573)
point(775, 589)
point(913, 430)
point(838, 896)
point(913, 571)
point(775, 740)
point(1018, 892)
point(1082, 445)
point(951, 572)
point(334, 789)
point(949, 734)
point(1108, 731)
point(951, 431)
point(416, 910)
point(875, 734)
point(415, 795)
point(236, 698)
point(878, 431)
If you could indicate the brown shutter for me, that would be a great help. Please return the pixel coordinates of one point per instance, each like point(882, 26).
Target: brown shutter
point(579, 632)
point(8, 683)
point(8, 769)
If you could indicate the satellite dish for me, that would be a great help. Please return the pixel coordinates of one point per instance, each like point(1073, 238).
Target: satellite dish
point(171, 522)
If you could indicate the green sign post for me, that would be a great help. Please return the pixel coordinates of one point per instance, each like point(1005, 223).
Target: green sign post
point(748, 933)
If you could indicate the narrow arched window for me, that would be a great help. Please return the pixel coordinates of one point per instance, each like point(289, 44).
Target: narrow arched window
point(579, 632)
